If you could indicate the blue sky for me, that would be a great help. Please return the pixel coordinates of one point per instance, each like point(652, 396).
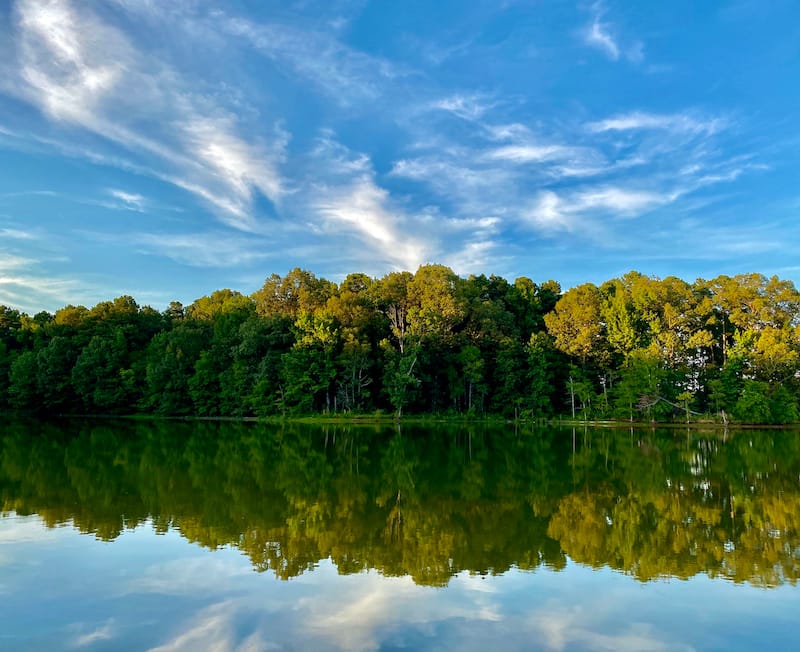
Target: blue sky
point(169, 149)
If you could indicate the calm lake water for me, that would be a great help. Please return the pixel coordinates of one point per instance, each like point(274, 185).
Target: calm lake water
point(176, 536)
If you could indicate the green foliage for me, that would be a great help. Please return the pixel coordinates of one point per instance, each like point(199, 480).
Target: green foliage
point(539, 378)
point(576, 325)
point(54, 364)
point(399, 379)
point(638, 386)
point(102, 377)
point(22, 381)
point(170, 363)
point(761, 403)
point(429, 342)
point(620, 329)
point(726, 388)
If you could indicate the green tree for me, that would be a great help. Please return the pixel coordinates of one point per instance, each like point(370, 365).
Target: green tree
point(309, 368)
point(436, 304)
point(472, 373)
point(399, 379)
point(539, 385)
point(22, 385)
point(391, 296)
point(299, 291)
point(54, 365)
point(575, 324)
point(102, 378)
point(170, 363)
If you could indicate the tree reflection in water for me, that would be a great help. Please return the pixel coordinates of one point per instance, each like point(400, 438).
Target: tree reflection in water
point(427, 502)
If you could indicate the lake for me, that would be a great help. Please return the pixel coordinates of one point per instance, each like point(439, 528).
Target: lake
point(171, 536)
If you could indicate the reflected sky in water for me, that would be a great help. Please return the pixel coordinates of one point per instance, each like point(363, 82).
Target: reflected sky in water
point(145, 591)
point(241, 538)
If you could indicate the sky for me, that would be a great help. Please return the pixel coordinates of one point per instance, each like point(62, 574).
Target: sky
point(169, 149)
point(159, 592)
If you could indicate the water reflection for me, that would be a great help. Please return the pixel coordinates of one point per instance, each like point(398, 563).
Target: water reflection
point(428, 502)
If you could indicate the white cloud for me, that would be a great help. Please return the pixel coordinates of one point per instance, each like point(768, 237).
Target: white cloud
point(364, 206)
point(32, 293)
point(579, 209)
point(111, 98)
point(103, 633)
point(212, 249)
point(467, 107)
point(676, 122)
point(599, 37)
point(17, 530)
point(231, 159)
point(554, 161)
point(131, 200)
point(16, 234)
point(620, 201)
point(475, 257)
point(561, 627)
point(530, 153)
point(346, 75)
point(61, 69)
point(26, 285)
point(190, 576)
point(549, 212)
point(81, 70)
point(212, 629)
point(10, 261)
point(457, 175)
point(567, 177)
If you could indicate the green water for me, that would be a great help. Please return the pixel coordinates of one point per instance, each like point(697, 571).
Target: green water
point(420, 538)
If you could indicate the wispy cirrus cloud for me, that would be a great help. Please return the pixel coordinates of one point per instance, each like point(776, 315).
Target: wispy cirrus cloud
point(465, 106)
point(573, 210)
point(132, 200)
point(581, 178)
point(32, 291)
point(16, 234)
point(104, 632)
point(108, 87)
point(29, 285)
point(10, 261)
point(531, 153)
point(601, 35)
point(216, 249)
point(310, 130)
point(478, 255)
point(676, 122)
point(345, 75)
point(354, 200)
point(560, 627)
point(40, 278)
point(113, 199)
point(458, 177)
point(598, 36)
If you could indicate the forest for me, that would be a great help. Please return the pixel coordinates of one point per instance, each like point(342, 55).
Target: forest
point(636, 348)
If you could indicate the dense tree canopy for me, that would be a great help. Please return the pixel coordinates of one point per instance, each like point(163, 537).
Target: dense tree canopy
point(636, 347)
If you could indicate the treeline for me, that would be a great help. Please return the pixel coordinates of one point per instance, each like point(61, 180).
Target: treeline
point(636, 347)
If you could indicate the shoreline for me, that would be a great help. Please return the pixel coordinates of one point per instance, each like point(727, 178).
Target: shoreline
point(388, 419)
